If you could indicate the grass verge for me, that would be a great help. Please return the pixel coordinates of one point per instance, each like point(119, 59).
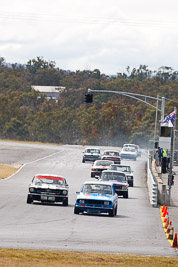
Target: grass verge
point(7, 170)
point(33, 258)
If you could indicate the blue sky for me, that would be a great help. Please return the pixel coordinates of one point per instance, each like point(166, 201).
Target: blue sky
point(95, 34)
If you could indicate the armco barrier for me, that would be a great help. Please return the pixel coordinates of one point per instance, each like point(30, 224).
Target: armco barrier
point(156, 187)
point(152, 183)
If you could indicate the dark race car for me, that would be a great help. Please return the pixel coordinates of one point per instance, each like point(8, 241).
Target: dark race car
point(119, 181)
point(126, 169)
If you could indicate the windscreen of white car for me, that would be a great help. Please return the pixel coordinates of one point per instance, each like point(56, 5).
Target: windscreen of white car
point(131, 146)
point(48, 180)
point(120, 168)
point(93, 151)
point(111, 176)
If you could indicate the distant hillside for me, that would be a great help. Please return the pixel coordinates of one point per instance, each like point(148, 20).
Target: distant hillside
point(25, 114)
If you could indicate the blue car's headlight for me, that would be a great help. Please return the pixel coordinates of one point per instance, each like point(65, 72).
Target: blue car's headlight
point(81, 201)
point(106, 203)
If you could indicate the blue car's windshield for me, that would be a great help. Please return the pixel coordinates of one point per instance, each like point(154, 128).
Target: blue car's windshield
point(97, 188)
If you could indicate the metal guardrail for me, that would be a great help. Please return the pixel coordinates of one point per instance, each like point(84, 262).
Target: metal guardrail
point(152, 183)
point(175, 155)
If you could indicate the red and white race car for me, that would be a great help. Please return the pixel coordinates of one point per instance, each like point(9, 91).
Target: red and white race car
point(99, 166)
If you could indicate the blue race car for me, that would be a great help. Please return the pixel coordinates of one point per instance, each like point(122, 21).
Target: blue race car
point(97, 197)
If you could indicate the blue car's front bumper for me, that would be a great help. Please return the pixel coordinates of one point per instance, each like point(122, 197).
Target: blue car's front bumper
point(93, 208)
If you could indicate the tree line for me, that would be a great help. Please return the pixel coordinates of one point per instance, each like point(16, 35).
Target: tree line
point(25, 114)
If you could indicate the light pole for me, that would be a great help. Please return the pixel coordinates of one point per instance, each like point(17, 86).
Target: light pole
point(156, 118)
point(144, 100)
point(170, 175)
point(135, 96)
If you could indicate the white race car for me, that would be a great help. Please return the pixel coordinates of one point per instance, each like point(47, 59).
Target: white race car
point(128, 153)
point(48, 188)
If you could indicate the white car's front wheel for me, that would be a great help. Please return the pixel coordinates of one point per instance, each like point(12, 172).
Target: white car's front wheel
point(29, 199)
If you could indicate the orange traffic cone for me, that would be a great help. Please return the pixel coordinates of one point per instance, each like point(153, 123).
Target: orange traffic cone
point(163, 207)
point(165, 218)
point(171, 234)
point(169, 228)
point(166, 224)
point(164, 213)
point(174, 244)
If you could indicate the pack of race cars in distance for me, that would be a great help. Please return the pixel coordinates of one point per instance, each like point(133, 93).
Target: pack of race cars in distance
point(99, 196)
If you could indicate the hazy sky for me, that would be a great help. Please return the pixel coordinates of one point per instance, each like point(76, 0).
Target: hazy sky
point(108, 35)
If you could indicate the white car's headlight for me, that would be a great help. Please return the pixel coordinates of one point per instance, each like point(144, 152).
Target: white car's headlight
point(106, 203)
point(81, 201)
point(32, 189)
point(64, 192)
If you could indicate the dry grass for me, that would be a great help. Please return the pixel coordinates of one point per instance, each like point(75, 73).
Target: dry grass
point(7, 170)
point(33, 258)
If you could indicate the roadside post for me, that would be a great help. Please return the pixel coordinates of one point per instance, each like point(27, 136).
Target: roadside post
point(166, 141)
point(170, 176)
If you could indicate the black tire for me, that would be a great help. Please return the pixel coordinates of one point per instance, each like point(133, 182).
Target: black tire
point(29, 199)
point(83, 161)
point(112, 213)
point(126, 195)
point(115, 210)
point(76, 210)
point(135, 159)
point(92, 175)
point(65, 202)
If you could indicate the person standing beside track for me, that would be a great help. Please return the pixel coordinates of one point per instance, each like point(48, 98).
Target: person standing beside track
point(159, 152)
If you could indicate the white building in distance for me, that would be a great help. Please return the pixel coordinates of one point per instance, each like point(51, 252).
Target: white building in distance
point(51, 92)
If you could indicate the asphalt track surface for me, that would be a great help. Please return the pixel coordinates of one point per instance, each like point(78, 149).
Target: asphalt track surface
point(137, 228)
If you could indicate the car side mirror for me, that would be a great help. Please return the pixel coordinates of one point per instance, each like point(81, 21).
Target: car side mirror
point(97, 177)
point(77, 192)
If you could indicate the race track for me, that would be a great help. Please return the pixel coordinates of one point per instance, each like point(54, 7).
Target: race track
point(137, 228)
